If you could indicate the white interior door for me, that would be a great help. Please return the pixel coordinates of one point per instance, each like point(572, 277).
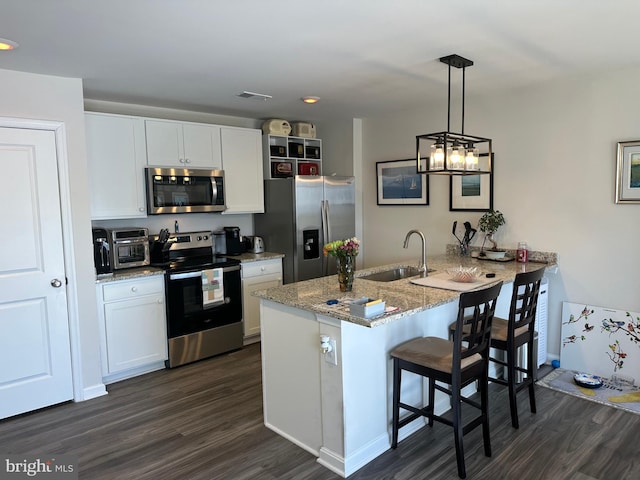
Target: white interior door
point(35, 355)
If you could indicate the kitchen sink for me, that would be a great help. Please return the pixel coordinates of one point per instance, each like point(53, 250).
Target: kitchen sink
point(395, 274)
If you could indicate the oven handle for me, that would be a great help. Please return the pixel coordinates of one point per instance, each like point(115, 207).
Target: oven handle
point(179, 276)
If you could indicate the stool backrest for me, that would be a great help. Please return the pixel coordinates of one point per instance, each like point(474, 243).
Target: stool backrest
point(475, 314)
point(524, 301)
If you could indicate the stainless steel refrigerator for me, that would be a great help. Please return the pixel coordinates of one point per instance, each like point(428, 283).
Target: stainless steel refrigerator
point(302, 213)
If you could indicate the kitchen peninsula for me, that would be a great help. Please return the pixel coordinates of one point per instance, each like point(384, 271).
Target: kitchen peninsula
point(337, 404)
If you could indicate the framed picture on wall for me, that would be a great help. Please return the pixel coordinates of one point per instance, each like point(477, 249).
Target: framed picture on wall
point(473, 193)
point(398, 183)
point(628, 172)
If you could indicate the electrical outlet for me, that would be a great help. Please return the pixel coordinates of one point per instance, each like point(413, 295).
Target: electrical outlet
point(332, 356)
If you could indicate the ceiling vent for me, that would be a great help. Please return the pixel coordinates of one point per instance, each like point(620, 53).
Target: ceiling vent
point(257, 96)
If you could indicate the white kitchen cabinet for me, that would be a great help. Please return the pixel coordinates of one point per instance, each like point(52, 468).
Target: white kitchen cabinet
point(242, 165)
point(183, 144)
point(116, 157)
point(133, 327)
point(258, 275)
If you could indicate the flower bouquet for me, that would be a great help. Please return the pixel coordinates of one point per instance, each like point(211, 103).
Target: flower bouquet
point(345, 252)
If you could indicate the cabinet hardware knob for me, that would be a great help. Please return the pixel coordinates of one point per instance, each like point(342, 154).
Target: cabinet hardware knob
point(134, 289)
point(56, 283)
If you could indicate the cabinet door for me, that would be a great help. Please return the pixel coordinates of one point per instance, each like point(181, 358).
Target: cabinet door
point(251, 304)
point(136, 332)
point(164, 143)
point(242, 164)
point(116, 160)
point(183, 144)
point(202, 146)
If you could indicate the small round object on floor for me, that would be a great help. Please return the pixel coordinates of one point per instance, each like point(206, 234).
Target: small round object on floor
point(588, 381)
point(555, 363)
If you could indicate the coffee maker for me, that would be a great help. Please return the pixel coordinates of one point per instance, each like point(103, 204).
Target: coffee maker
point(101, 251)
point(233, 241)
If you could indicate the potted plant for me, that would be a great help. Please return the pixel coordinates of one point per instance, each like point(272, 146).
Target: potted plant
point(489, 224)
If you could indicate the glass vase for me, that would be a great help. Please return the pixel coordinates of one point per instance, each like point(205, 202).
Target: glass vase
point(346, 269)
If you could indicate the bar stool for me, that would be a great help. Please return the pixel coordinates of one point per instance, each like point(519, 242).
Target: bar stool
point(455, 363)
point(509, 335)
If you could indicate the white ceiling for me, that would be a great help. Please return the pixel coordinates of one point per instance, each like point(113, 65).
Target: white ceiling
point(362, 57)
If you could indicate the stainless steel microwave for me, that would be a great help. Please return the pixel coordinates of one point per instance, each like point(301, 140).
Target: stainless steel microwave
point(177, 190)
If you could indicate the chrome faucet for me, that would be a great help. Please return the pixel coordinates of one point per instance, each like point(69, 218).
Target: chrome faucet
point(423, 261)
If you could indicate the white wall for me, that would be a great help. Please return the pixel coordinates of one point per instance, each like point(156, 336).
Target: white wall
point(555, 148)
point(55, 98)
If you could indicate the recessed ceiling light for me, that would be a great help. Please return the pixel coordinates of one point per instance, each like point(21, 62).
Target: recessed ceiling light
point(310, 100)
point(7, 44)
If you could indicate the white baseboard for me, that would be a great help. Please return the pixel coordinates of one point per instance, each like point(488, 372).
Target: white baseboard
point(94, 391)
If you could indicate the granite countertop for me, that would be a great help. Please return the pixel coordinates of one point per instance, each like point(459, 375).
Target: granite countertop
point(256, 257)
point(128, 274)
point(312, 295)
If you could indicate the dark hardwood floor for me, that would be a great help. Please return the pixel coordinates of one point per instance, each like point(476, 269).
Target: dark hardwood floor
point(204, 421)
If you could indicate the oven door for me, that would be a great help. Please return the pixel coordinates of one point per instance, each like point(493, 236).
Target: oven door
point(186, 310)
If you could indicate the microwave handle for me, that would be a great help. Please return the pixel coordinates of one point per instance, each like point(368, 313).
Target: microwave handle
point(214, 189)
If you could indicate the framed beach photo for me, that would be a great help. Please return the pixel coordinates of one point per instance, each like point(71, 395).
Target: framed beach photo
point(473, 193)
point(398, 183)
point(628, 172)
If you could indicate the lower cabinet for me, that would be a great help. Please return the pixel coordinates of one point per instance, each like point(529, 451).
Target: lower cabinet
point(132, 326)
point(258, 275)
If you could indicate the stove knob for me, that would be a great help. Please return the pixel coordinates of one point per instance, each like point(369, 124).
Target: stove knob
point(199, 238)
point(206, 237)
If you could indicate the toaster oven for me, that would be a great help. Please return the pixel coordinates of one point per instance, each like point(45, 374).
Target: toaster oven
point(128, 247)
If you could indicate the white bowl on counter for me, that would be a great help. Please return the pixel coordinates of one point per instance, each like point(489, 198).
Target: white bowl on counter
point(493, 255)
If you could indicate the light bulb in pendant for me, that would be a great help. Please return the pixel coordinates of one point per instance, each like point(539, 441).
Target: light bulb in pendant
point(471, 158)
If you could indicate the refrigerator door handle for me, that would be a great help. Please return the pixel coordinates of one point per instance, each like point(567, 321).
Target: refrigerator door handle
point(325, 234)
point(327, 216)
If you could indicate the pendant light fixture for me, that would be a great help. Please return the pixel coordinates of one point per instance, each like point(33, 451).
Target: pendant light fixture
point(449, 153)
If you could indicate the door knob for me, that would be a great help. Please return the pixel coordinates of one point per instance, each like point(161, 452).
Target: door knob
point(56, 283)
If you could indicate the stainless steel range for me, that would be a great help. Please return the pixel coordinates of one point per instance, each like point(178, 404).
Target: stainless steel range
point(203, 293)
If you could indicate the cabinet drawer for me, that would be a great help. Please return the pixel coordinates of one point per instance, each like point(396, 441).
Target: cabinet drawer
point(132, 288)
point(266, 267)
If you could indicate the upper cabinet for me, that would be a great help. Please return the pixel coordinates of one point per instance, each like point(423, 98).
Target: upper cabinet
point(116, 157)
point(120, 146)
point(242, 165)
point(183, 144)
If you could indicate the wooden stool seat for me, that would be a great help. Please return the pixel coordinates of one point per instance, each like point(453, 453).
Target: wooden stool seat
point(432, 352)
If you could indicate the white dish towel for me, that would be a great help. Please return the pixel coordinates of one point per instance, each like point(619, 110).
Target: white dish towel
point(212, 287)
